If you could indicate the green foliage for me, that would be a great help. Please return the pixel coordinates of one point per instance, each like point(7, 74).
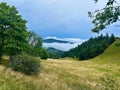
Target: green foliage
point(35, 46)
point(117, 42)
point(14, 38)
point(13, 31)
point(106, 16)
point(54, 53)
point(91, 48)
point(43, 54)
point(26, 64)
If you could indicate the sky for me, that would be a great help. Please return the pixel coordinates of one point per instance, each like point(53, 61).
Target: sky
point(60, 18)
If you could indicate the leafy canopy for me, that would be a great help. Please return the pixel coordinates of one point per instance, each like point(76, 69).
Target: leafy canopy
point(34, 43)
point(106, 16)
point(35, 46)
point(13, 33)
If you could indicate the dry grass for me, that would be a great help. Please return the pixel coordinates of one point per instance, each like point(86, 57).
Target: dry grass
point(82, 75)
point(64, 75)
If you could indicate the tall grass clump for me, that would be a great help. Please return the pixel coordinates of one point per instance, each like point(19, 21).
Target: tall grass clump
point(26, 64)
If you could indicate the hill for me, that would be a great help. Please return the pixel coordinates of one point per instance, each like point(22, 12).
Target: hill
point(111, 54)
point(54, 53)
point(91, 48)
point(94, 74)
point(55, 41)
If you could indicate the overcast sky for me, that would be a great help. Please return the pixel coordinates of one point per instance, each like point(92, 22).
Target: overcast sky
point(60, 18)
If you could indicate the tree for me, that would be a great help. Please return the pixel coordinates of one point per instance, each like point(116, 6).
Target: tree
point(106, 16)
point(112, 38)
point(13, 33)
point(43, 54)
point(34, 43)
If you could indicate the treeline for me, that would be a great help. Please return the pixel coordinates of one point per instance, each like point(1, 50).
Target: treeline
point(91, 48)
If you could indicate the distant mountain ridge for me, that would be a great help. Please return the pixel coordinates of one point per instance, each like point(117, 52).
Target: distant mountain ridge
point(51, 49)
point(54, 53)
point(51, 40)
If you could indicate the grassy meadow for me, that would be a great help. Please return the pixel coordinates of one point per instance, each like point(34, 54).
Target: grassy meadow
point(100, 73)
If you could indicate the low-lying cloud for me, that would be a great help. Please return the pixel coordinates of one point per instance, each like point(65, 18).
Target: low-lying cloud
point(63, 46)
point(73, 40)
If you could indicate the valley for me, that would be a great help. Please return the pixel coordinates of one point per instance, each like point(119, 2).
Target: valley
point(100, 73)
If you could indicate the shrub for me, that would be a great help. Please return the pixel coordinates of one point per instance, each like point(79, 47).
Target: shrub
point(117, 43)
point(26, 64)
point(43, 54)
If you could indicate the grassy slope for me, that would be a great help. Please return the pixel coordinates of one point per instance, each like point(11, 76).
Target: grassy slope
point(95, 74)
point(111, 55)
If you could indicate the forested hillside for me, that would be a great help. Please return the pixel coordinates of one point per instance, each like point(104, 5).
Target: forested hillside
point(111, 54)
point(91, 48)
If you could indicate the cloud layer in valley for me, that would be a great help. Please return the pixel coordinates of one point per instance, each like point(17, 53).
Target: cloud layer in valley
point(63, 46)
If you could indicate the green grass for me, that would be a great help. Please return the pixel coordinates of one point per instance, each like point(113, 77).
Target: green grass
point(100, 73)
point(111, 55)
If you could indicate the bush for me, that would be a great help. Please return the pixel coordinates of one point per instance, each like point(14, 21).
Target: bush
point(43, 54)
point(26, 64)
point(117, 43)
